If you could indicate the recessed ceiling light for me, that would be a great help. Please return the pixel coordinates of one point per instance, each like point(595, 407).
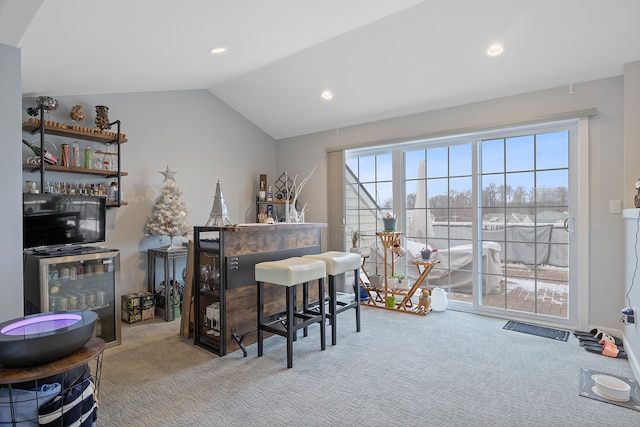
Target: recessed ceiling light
point(218, 50)
point(327, 94)
point(495, 49)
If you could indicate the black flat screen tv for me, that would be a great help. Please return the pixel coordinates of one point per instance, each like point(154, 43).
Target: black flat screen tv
point(51, 220)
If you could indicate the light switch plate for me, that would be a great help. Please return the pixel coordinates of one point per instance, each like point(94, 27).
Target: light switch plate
point(614, 206)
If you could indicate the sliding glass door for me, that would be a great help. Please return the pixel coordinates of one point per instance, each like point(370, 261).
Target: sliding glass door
point(495, 208)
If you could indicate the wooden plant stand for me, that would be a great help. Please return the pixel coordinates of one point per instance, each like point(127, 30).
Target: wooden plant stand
point(380, 299)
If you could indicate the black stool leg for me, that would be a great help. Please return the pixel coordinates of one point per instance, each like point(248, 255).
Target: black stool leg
point(305, 305)
point(333, 307)
point(323, 315)
point(290, 324)
point(356, 288)
point(260, 317)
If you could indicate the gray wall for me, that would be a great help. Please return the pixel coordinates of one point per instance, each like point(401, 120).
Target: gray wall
point(11, 247)
point(631, 174)
point(606, 176)
point(193, 133)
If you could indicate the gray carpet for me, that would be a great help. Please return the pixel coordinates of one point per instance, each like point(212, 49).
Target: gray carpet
point(445, 369)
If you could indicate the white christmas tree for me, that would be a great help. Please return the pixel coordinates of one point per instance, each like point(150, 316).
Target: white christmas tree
point(169, 214)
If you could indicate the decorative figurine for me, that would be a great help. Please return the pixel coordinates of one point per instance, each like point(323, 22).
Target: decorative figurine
point(77, 113)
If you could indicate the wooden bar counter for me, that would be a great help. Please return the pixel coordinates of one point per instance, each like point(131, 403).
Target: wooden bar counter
point(225, 291)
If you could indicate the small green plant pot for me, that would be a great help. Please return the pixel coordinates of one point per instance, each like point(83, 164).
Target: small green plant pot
point(389, 224)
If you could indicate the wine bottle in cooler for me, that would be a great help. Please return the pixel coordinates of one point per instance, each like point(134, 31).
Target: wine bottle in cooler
point(48, 156)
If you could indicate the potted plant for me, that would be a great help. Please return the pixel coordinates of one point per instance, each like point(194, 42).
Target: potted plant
point(389, 221)
point(426, 253)
point(376, 280)
point(403, 282)
point(392, 282)
point(355, 236)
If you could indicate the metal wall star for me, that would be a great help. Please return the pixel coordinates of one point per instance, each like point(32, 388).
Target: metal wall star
point(169, 174)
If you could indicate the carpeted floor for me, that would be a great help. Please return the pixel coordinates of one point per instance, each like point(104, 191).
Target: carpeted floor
point(446, 369)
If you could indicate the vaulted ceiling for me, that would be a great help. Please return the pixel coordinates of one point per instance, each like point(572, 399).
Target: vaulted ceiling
point(380, 58)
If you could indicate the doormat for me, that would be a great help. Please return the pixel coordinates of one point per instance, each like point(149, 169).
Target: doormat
point(588, 389)
point(540, 331)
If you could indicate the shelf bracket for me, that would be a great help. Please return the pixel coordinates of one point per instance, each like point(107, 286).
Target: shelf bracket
point(118, 196)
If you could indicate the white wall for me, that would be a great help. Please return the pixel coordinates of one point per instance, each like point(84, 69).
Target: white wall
point(606, 175)
point(193, 133)
point(11, 216)
point(631, 174)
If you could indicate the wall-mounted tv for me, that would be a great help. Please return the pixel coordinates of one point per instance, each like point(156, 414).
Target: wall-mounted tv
point(62, 219)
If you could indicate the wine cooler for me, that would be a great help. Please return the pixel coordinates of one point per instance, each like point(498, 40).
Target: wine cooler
point(76, 279)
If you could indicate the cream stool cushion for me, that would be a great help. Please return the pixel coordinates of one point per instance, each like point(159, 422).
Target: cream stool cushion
point(290, 271)
point(338, 262)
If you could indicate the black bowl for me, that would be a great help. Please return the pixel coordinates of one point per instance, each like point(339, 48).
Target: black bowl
point(43, 337)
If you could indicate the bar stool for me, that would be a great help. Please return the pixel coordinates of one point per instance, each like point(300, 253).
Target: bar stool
point(289, 273)
point(338, 263)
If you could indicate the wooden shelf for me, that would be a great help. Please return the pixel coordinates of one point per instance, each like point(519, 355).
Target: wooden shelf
point(275, 202)
point(106, 137)
point(54, 168)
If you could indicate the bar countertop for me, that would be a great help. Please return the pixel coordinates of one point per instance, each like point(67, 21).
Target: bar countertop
point(274, 226)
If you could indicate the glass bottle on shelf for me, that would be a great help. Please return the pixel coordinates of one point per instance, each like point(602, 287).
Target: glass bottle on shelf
point(76, 155)
point(87, 157)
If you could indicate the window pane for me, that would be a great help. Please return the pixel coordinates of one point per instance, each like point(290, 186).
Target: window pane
point(519, 153)
point(460, 194)
point(411, 191)
point(552, 150)
point(437, 189)
point(412, 163)
point(367, 171)
point(384, 167)
point(353, 165)
point(519, 187)
point(384, 195)
point(460, 160)
point(492, 190)
point(437, 162)
point(492, 155)
point(552, 188)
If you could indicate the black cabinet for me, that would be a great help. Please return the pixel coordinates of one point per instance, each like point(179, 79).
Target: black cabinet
point(209, 294)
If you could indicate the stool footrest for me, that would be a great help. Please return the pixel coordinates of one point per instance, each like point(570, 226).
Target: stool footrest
point(344, 306)
point(307, 319)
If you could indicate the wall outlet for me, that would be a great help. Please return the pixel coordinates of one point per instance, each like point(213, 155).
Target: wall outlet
point(628, 316)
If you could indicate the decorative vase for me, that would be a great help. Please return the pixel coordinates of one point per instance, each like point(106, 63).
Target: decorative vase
point(439, 299)
point(102, 117)
point(426, 255)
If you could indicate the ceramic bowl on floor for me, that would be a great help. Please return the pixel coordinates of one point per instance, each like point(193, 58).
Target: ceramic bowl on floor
point(612, 388)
